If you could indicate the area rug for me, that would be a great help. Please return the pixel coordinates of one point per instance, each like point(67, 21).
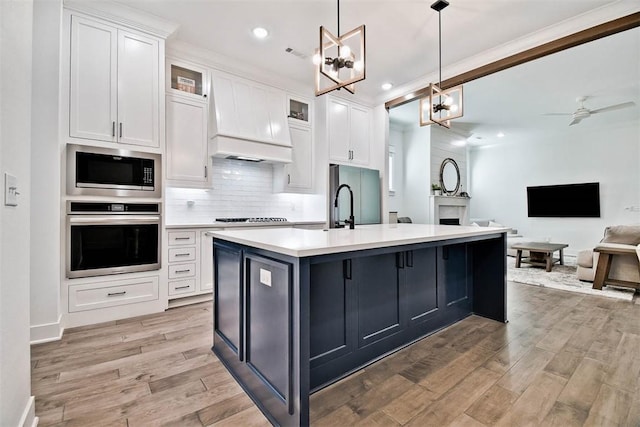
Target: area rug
point(561, 277)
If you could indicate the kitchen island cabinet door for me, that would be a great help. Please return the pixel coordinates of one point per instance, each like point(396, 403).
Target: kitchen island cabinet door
point(379, 290)
point(229, 306)
point(421, 285)
point(453, 273)
point(332, 311)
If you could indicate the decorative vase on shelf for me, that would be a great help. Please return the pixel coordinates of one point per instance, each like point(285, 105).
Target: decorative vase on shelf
point(437, 192)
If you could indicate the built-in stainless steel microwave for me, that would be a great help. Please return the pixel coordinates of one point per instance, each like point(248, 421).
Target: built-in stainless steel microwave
point(97, 171)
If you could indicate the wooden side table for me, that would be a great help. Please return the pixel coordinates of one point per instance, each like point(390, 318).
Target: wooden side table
point(607, 252)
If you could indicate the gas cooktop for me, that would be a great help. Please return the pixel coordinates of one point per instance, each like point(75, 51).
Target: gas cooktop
point(262, 219)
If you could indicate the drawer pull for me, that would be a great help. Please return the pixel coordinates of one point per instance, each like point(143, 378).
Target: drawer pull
point(187, 254)
point(183, 271)
point(115, 294)
point(182, 287)
point(181, 238)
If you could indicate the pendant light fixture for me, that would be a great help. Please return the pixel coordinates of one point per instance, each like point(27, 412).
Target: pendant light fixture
point(440, 106)
point(340, 60)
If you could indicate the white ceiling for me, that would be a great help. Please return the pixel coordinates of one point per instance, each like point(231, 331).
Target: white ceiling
point(514, 101)
point(402, 35)
point(402, 48)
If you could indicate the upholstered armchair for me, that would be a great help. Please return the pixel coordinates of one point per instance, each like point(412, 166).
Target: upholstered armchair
point(621, 265)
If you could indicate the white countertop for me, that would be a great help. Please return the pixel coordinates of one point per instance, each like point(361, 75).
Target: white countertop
point(216, 224)
point(302, 243)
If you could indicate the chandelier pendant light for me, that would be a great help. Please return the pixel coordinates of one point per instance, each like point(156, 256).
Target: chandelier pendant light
point(340, 60)
point(441, 106)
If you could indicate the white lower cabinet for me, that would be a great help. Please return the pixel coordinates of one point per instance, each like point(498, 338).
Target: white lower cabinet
point(189, 263)
point(90, 296)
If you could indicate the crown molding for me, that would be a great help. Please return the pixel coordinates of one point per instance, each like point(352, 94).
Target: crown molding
point(122, 14)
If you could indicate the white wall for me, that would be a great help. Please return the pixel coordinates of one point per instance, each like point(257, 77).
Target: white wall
point(45, 187)
point(608, 155)
point(396, 140)
point(417, 174)
point(443, 146)
point(16, 403)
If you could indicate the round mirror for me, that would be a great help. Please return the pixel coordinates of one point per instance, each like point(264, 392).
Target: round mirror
point(449, 177)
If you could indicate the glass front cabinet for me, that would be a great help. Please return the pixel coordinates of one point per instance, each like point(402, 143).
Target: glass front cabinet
point(186, 79)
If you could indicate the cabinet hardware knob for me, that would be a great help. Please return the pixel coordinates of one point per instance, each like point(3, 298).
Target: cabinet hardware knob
point(205, 171)
point(185, 254)
point(183, 287)
point(113, 129)
point(181, 238)
point(120, 129)
point(115, 294)
point(288, 178)
point(183, 271)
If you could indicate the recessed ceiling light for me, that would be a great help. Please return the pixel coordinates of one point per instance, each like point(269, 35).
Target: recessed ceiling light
point(260, 32)
point(386, 86)
point(500, 135)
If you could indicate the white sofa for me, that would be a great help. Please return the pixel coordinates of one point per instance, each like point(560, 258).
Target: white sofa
point(623, 267)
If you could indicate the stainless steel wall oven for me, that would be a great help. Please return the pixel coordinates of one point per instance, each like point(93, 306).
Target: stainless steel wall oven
point(96, 171)
point(109, 238)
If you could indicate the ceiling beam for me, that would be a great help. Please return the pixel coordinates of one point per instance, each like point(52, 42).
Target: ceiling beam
point(590, 34)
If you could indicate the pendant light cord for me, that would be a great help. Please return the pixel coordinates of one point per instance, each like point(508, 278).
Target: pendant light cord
point(440, 49)
point(338, 18)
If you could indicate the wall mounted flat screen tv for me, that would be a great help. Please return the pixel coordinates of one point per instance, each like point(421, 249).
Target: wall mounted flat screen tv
point(564, 201)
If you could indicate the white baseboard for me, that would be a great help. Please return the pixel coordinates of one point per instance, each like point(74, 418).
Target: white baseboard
point(46, 332)
point(28, 418)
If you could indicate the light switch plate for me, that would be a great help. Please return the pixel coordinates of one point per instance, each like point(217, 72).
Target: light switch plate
point(10, 190)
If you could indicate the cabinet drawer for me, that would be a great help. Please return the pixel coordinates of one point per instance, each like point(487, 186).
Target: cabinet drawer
point(108, 294)
point(178, 271)
point(182, 238)
point(182, 254)
point(182, 286)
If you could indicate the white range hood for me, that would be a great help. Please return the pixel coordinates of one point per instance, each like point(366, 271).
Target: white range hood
point(249, 120)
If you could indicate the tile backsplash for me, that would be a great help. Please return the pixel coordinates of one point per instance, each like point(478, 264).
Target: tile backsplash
point(240, 189)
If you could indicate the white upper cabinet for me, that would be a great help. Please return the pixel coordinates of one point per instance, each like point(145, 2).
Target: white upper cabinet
point(349, 131)
point(186, 140)
point(246, 113)
point(114, 92)
point(300, 170)
point(297, 176)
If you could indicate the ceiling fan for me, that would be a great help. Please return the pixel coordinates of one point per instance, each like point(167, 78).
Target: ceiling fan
point(582, 113)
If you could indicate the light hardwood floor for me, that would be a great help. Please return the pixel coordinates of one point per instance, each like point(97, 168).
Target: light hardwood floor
point(563, 360)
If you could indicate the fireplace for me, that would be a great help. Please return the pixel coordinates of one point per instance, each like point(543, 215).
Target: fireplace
point(449, 208)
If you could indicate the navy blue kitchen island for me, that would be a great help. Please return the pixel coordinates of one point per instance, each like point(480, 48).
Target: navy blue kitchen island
point(296, 310)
